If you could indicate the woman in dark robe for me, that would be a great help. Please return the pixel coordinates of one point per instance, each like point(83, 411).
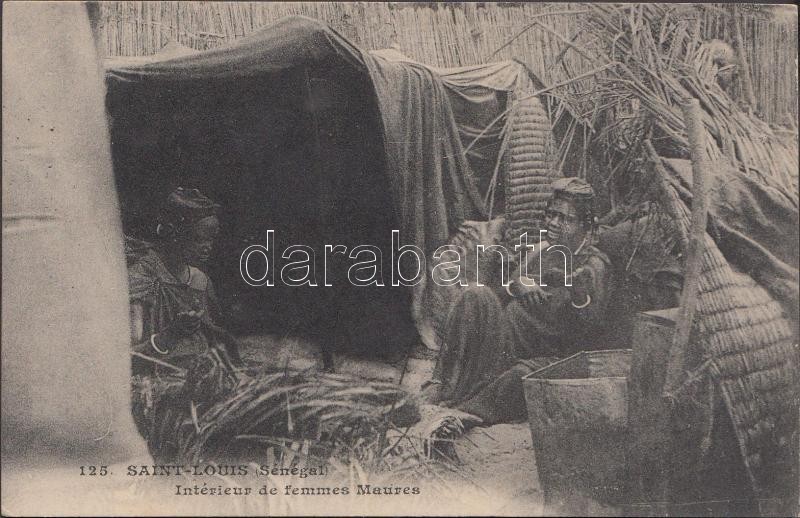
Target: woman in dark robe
point(172, 299)
point(495, 337)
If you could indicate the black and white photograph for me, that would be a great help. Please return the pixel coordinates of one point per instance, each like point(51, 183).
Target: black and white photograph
point(400, 259)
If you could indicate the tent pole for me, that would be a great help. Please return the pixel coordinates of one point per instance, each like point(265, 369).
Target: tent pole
point(490, 192)
point(314, 120)
point(741, 56)
point(326, 342)
point(693, 120)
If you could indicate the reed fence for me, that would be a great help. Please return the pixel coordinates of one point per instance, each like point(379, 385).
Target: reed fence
point(450, 35)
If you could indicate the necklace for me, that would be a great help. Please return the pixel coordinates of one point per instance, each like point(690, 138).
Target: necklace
point(183, 277)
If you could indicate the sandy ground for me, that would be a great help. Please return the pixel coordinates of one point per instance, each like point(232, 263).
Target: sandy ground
point(499, 459)
point(495, 473)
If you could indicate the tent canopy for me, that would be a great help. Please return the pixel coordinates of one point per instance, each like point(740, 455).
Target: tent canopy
point(292, 42)
point(281, 129)
point(293, 129)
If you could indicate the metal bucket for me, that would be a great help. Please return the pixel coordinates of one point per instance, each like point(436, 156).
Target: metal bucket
point(578, 414)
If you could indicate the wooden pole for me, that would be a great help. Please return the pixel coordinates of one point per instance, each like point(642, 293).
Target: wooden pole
point(326, 345)
point(692, 117)
point(741, 56)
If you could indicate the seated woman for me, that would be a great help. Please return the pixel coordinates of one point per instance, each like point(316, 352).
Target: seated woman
point(171, 298)
point(495, 337)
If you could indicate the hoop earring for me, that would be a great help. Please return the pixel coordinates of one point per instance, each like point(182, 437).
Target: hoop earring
point(165, 231)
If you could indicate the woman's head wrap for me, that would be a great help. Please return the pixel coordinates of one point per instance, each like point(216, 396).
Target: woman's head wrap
point(576, 188)
point(579, 191)
point(183, 207)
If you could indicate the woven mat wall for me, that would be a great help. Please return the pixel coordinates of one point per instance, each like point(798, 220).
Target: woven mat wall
point(748, 348)
point(754, 358)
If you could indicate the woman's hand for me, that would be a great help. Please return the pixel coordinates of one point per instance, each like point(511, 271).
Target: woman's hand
point(581, 282)
point(187, 323)
point(531, 294)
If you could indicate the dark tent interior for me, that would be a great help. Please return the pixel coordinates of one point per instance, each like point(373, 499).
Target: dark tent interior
point(282, 130)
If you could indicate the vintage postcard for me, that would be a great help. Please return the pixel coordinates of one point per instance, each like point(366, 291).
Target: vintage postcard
point(400, 258)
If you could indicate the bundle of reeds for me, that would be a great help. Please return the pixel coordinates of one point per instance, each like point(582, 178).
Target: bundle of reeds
point(654, 62)
point(205, 417)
